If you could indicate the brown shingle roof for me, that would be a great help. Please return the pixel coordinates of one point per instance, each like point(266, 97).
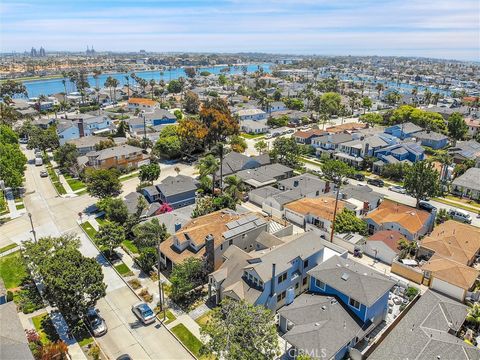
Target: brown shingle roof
point(322, 207)
point(309, 133)
point(451, 271)
point(346, 127)
point(389, 238)
point(410, 218)
point(142, 101)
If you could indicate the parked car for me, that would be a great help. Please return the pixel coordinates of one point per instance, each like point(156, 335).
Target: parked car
point(95, 323)
point(43, 173)
point(38, 161)
point(144, 313)
point(268, 136)
point(424, 205)
point(358, 177)
point(460, 215)
point(397, 189)
point(376, 182)
point(124, 357)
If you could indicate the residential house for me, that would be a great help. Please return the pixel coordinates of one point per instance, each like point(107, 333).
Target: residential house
point(160, 117)
point(271, 276)
point(468, 184)
point(251, 114)
point(295, 117)
point(176, 219)
point(428, 330)
point(473, 126)
point(353, 152)
point(314, 213)
point(142, 104)
point(254, 127)
point(276, 106)
point(410, 222)
point(465, 150)
point(208, 237)
point(84, 126)
point(403, 131)
point(123, 156)
point(447, 256)
point(132, 200)
point(234, 162)
point(67, 130)
point(264, 175)
point(347, 301)
point(347, 127)
point(432, 139)
point(329, 143)
point(361, 195)
point(176, 191)
point(13, 341)
point(87, 143)
point(383, 245)
point(305, 137)
point(406, 153)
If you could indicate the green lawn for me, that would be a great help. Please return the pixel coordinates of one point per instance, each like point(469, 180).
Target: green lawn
point(89, 229)
point(188, 339)
point(252, 136)
point(202, 320)
point(123, 269)
point(170, 317)
point(101, 220)
point(128, 176)
point(128, 244)
point(13, 270)
point(310, 161)
point(45, 328)
point(454, 204)
point(75, 184)
point(8, 247)
point(20, 206)
point(467, 202)
point(55, 181)
point(83, 192)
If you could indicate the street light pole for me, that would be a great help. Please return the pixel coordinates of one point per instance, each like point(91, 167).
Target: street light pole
point(33, 229)
point(144, 130)
point(160, 285)
point(335, 209)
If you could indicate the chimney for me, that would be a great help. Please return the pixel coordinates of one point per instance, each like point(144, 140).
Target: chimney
point(366, 207)
point(272, 282)
point(209, 252)
point(178, 226)
point(295, 183)
point(80, 128)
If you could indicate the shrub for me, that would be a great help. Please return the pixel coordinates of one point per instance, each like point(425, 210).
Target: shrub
point(146, 296)
point(147, 259)
point(135, 284)
point(411, 292)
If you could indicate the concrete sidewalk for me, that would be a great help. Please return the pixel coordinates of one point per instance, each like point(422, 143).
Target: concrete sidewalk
point(12, 207)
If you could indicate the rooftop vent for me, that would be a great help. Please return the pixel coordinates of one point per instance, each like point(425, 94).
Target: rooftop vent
point(345, 276)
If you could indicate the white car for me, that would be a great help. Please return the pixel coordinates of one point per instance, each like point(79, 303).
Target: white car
point(397, 189)
point(460, 215)
point(144, 313)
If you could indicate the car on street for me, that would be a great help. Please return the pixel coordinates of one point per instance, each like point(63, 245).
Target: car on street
point(38, 161)
point(43, 173)
point(144, 313)
point(397, 189)
point(424, 205)
point(460, 215)
point(358, 177)
point(124, 357)
point(376, 182)
point(95, 322)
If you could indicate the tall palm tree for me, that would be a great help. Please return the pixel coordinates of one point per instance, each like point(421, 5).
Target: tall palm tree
point(209, 165)
point(234, 186)
point(414, 94)
point(128, 85)
point(115, 84)
point(379, 87)
point(152, 84)
point(427, 95)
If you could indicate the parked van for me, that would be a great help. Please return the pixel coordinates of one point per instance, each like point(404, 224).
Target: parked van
point(460, 215)
point(38, 161)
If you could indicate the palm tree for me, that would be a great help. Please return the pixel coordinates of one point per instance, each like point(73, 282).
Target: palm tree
point(152, 84)
point(209, 165)
point(414, 94)
point(234, 186)
point(96, 75)
point(473, 315)
point(379, 87)
point(435, 98)
point(128, 85)
point(446, 160)
point(427, 95)
point(115, 84)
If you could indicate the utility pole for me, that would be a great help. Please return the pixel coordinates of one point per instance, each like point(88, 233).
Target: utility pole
point(160, 284)
point(33, 229)
point(144, 131)
point(335, 209)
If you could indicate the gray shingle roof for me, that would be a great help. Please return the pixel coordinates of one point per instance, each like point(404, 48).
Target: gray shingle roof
point(320, 323)
point(108, 153)
point(234, 162)
point(362, 284)
point(432, 135)
point(13, 343)
point(470, 180)
point(179, 184)
point(424, 332)
point(307, 182)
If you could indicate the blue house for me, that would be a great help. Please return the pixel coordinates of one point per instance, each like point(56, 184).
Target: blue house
point(403, 131)
point(160, 117)
point(410, 151)
point(432, 139)
point(347, 301)
point(177, 191)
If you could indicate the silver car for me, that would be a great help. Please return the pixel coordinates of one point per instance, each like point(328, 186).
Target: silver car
point(95, 323)
point(144, 313)
point(397, 189)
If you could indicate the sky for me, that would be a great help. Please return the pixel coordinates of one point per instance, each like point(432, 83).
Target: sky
point(426, 28)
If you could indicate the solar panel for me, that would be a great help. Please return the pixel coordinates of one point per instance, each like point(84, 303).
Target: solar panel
point(232, 225)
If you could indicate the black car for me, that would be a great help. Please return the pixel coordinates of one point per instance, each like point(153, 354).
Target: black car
point(375, 182)
point(359, 177)
point(426, 206)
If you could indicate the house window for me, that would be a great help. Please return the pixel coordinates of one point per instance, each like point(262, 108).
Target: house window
point(319, 284)
point(304, 281)
point(221, 247)
point(305, 264)
point(297, 285)
point(282, 278)
point(281, 296)
point(230, 242)
point(354, 303)
point(245, 274)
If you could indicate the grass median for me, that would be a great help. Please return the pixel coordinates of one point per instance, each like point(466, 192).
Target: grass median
point(188, 339)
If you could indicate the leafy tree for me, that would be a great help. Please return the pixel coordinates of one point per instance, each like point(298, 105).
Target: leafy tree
point(203, 206)
point(43, 139)
point(114, 208)
point(372, 119)
point(224, 201)
point(347, 222)
point(234, 186)
point(442, 216)
point(293, 103)
point(105, 144)
point(473, 315)
point(222, 79)
point(457, 127)
point(150, 233)
point(73, 283)
point(190, 72)
point(238, 144)
point(149, 172)
point(286, 151)
point(178, 114)
point(7, 135)
point(277, 95)
point(191, 102)
point(421, 180)
point(330, 103)
point(110, 235)
point(428, 120)
point(174, 87)
point(209, 165)
point(147, 259)
point(218, 121)
point(102, 183)
point(461, 168)
point(192, 134)
point(366, 103)
point(168, 144)
point(395, 171)
point(278, 121)
point(66, 157)
point(8, 115)
point(12, 164)
point(186, 276)
point(238, 330)
point(122, 129)
point(11, 88)
point(336, 169)
point(393, 98)
point(205, 73)
point(261, 146)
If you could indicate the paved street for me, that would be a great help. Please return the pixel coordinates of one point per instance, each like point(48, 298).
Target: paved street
point(53, 215)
